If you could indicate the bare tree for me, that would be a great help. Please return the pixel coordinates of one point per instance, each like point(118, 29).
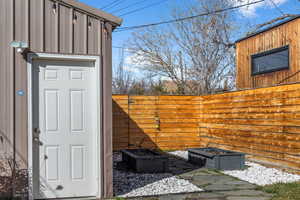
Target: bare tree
point(122, 79)
point(195, 54)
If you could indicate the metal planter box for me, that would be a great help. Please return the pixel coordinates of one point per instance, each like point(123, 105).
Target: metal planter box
point(145, 161)
point(214, 158)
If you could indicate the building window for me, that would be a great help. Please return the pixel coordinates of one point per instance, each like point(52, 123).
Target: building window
point(270, 61)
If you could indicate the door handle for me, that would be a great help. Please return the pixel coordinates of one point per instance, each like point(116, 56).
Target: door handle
point(37, 130)
point(157, 123)
point(37, 140)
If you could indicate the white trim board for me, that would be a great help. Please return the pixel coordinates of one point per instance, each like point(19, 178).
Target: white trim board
point(45, 56)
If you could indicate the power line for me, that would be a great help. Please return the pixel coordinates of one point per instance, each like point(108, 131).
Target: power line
point(130, 5)
point(275, 5)
point(145, 7)
point(118, 47)
point(187, 18)
point(111, 5)
point(123, 48)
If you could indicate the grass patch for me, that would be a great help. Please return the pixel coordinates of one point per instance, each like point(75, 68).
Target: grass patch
point(283, 191)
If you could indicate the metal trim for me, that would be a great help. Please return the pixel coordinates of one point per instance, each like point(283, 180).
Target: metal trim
point(269, 52)
point(267, 29)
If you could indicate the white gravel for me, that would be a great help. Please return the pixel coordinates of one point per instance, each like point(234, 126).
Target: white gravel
point(255, 173)
point(130, 184)
point(260, 175)
point(181, 154)
point(163, 186)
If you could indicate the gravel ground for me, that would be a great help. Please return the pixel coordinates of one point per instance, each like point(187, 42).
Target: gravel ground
point(130, 184)
point(260, 175)
point(181, 154)
point(255, 173)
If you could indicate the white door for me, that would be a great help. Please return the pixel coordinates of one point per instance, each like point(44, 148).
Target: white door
point(65, 129)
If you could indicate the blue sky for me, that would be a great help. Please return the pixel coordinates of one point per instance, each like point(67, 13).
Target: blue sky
point(255, 14)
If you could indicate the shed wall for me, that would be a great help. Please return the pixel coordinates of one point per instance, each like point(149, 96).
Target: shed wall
point(286, 34)
point(48, 30)
point(6, 77)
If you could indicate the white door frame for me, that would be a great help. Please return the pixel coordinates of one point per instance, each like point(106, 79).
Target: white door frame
point(45, 56)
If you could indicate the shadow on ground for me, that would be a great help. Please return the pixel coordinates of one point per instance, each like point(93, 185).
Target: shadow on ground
point(126, 180)
point(216, 185)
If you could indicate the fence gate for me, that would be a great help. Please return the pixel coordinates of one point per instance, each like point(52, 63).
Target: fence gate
point(143, 123)
point(160, 122)
point(179, 122)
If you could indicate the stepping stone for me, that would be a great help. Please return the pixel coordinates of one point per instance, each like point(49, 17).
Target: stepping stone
point(246, 186)
point(228, 180)
point(248, 198)
point(173, 197)
point(144, 198)
point(219, 187)
point(244, 193)
point(206, 195)
point(237, 182)
point(205, 179)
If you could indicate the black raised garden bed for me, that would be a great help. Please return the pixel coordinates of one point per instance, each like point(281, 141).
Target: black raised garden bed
point(214, 158)
point(145, 160)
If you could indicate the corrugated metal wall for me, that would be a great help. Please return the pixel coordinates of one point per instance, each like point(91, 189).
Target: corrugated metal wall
point(52, 28)
point(6, 76)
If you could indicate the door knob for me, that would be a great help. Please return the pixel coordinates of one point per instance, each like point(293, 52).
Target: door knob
point(37, 130)
point(37, 140)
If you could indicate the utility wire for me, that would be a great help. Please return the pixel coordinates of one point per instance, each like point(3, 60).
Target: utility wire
point(276, 6)
point(187, 18)
point(130, 5)
point(111, 5)
point(145, 7)
point(129, 50)
point(118, 47)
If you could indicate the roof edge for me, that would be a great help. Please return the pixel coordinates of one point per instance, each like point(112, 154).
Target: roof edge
point(82, 6)
point(267, 29)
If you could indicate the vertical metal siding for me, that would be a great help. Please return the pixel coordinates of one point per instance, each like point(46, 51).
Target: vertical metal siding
point(80, 33)
point(35, 22)
point(36, 25)
point(6, 76)
point(51, 27)
point(107, 107)
point(65, 29)
point(94, 40)
point(21, 34)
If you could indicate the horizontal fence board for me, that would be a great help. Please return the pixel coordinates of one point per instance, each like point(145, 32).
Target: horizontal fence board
point(266, 135)
point(271, 122)
point(263, 116)
point(259, 154)
point(272, 145)
point(261, 109)
point(264, 123)
point(245, 98)
point(258, 103)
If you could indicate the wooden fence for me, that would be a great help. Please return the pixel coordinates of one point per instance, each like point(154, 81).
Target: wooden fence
point(264, 123)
